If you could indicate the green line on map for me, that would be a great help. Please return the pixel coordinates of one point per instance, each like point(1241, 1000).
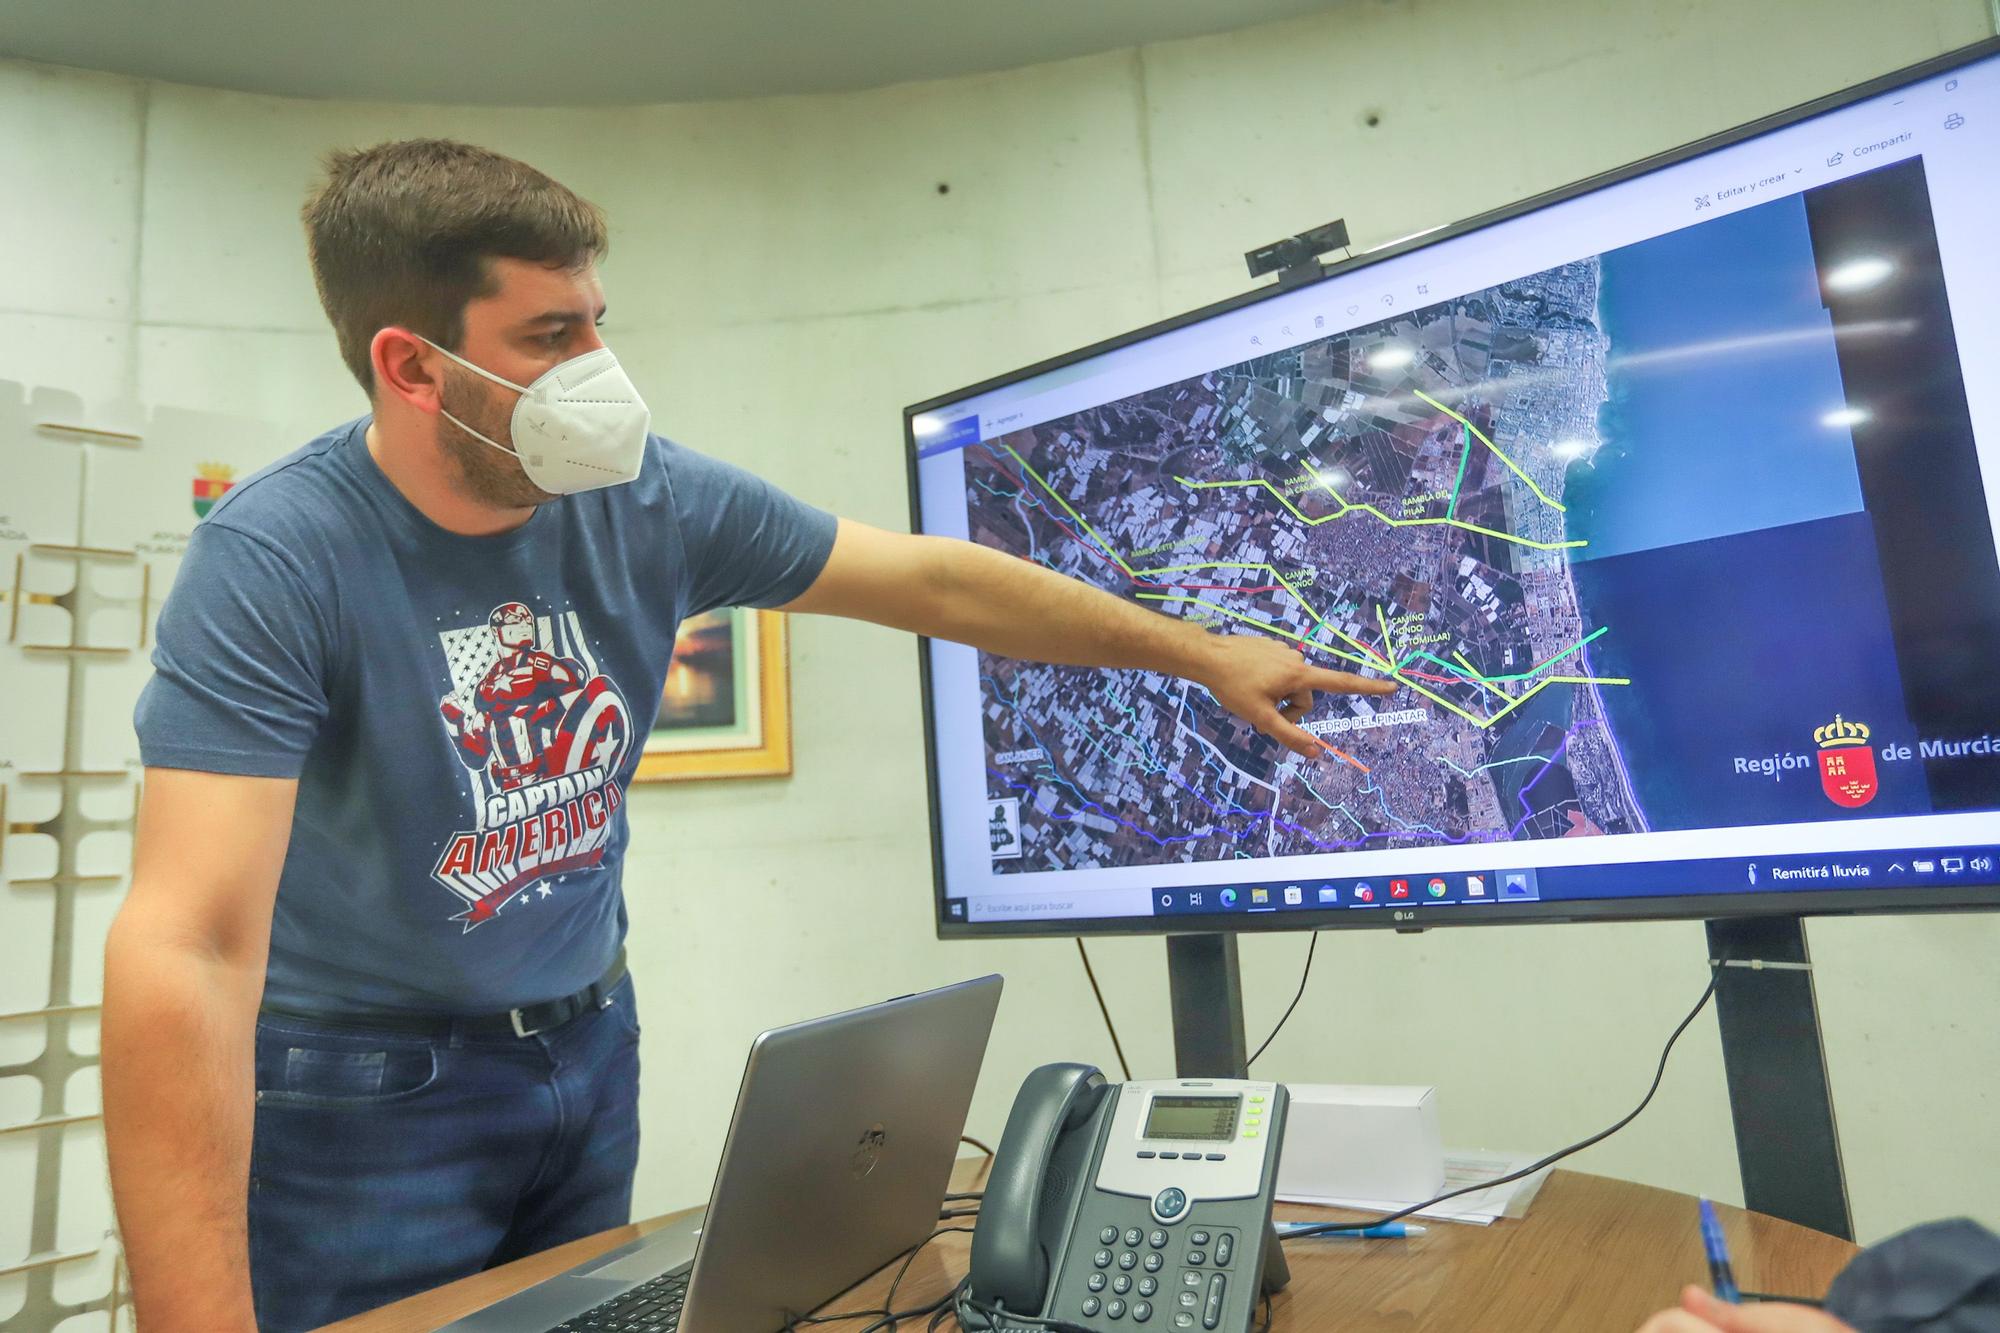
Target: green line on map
point(1464, 457)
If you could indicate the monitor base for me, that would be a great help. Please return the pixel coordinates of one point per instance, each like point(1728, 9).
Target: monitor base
point(1787, 1147)
point(1205, 986)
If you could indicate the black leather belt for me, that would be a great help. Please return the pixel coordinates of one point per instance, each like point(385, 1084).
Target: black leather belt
point(526, 1021)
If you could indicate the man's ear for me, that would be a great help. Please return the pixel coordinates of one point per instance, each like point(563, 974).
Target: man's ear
point(402, 369)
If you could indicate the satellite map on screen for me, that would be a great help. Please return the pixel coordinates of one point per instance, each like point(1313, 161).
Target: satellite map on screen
point(1604, 524)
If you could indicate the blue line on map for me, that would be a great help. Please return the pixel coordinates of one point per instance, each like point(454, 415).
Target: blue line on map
point(1300, 777)
point(1528, 811)
point(1497, 763)
point(1383, 798)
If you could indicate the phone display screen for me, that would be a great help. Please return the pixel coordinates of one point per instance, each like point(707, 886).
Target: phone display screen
point(1192, 1118)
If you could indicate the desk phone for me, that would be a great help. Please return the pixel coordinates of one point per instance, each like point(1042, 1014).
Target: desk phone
point(1130, 1205)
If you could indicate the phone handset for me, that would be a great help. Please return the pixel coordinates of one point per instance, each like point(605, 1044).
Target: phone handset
point(1028, 1199)
point(1129, 1200)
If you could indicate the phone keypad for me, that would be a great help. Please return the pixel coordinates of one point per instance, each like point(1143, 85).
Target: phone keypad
point(1196, 1287)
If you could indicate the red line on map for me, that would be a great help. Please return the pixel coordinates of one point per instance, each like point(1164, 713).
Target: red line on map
point(1348, 757)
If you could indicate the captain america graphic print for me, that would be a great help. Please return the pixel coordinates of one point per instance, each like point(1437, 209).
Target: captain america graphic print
point(542, 734)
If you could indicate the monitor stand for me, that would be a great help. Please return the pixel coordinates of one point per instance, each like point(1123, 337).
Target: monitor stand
point(1205, 987)
point(1786, 1145)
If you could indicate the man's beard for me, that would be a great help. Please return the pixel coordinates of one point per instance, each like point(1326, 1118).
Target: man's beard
point(486, 474)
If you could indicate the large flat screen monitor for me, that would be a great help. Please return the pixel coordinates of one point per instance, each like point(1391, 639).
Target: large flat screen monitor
point(1667, 499)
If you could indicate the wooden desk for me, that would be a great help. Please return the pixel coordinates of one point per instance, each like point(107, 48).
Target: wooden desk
point(1593, 1255)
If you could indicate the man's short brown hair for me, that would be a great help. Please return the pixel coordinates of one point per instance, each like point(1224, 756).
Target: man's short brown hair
point(400, 234)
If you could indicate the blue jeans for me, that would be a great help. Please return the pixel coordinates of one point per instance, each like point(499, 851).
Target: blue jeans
point(385, 1163)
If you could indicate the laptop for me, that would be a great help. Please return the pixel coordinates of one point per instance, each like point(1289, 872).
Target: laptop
point(839, 1152)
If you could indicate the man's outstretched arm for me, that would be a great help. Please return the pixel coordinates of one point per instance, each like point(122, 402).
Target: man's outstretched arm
point(972, 594)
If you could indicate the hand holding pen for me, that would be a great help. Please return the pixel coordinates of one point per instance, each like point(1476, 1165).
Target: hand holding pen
point(1720, 1275)
point(1701, 1312)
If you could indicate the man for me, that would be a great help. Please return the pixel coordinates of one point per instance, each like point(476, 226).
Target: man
point(369, 977)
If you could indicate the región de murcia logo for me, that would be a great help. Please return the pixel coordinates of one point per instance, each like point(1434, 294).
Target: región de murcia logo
point(1846, 764)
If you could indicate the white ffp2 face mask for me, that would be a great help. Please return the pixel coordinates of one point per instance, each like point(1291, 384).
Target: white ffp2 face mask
point(580, 426)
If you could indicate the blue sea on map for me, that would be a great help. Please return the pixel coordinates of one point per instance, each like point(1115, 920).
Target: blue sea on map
point(1729, 552)
point(1721, 370)
point(1742, 645)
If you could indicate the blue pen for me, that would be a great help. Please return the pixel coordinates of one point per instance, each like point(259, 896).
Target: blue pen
point(1719, 1274)
point(1386, 1231)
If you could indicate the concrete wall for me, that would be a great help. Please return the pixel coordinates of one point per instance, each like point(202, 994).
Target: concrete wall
point(786, 274)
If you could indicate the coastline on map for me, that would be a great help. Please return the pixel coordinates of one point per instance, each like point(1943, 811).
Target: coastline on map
point(1587, 483)
point(1583, 482)
point(1569, 724)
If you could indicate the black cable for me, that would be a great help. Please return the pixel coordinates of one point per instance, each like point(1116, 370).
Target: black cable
point(1103, 1008)
point(886, 1316)
point(967, 1138)
point(1330, 1228)
point(890, 1299)
point(998, 1318)
point(1293, 1005)
point(949, 1310)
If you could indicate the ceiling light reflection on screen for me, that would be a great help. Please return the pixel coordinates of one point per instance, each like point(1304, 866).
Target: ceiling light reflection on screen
point(1392, 356)
point(926, 425)
point(1569, 450)
point(1858, 275)
point(1844, 416)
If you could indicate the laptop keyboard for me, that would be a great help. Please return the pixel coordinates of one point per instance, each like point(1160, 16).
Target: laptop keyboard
point(650, 1307)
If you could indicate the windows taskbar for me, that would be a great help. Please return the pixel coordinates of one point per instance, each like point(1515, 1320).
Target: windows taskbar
point(1948, 871)
point(1918, 868)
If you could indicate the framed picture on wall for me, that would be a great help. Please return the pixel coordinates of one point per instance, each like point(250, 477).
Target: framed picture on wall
point(726, 711)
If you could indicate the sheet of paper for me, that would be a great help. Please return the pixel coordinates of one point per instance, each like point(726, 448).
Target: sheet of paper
point(1461, 1168)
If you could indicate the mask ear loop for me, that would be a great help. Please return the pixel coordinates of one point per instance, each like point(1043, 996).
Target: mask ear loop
point(506, 383)
point(478, 370)
point(477, 436)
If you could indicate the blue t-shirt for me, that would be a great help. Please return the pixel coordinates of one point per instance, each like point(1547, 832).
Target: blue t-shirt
point(462, 713)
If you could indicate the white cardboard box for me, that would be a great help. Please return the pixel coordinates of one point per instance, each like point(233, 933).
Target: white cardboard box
point(1366, 1141)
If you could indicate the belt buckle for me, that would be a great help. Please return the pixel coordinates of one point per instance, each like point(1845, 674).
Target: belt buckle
point(520, 1029)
